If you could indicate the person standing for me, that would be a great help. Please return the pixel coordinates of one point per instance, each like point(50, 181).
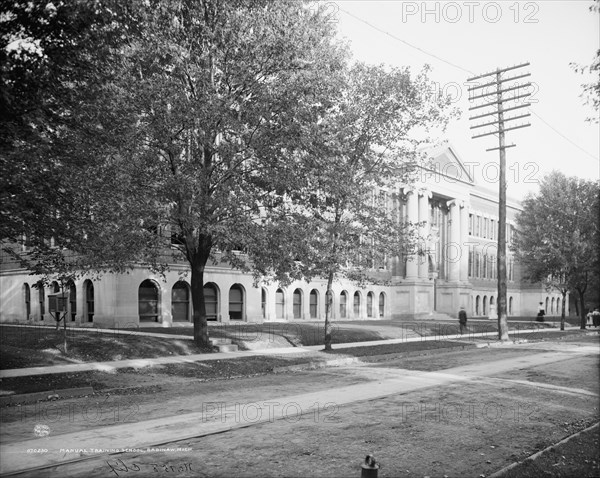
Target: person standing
point(541, 313)
point(596, 317)
point(589, 318)
point(462, 319)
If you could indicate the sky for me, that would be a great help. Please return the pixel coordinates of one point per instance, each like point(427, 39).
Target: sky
point(460, 40)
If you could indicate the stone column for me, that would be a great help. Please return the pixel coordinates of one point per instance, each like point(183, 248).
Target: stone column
point(412, 207)
point(423, 262)
point(464, 239)
point(453, 247)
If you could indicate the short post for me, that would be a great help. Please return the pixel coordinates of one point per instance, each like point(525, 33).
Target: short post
point(369, 468)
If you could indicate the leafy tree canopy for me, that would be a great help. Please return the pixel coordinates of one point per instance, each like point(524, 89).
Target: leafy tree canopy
point(558, 233)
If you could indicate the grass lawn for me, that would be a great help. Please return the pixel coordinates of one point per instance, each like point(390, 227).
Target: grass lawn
point(38, 346)
point(312, 333)
point(578, 457)
point(393, 349)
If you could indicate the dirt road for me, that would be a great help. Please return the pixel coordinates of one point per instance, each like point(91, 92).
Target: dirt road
point(451, 414)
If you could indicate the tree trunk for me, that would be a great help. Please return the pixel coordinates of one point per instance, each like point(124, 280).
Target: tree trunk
point(581, 309)
point(65, 333)
point(562, 313)
point(198, 261)
point(199, 306)
point(328, 302)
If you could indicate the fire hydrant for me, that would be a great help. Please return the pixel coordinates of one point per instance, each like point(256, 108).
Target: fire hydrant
point(369, 468)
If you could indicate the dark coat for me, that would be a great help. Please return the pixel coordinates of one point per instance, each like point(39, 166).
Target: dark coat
point(462, 316)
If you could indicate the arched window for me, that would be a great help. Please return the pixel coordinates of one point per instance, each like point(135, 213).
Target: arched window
point(343, 304)
point(211, 301)
point(510, 306)
point(180, 302)
point(314, 303)
point(370, 304)
point(552, 306)
point(89, 300)
point(72, 300)
point(297, 303)
point(279, 304)
point(148, 301)
point(547, 305)
point(329, 303)
point(41, 300)
point(263, 302)
point(236, 302)
point(381, 305)
point(55, 287)
point(477, 305)
point(356, 305)
point(558, 309)
point(491, 300)
point(27, 294)
point(484, 304)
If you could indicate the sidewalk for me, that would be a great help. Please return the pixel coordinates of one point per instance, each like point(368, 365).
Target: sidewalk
point(218, 417)
point(311, 351)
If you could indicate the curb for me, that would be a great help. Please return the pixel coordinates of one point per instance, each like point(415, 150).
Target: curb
point(25, 398)
point(497, 343)
point(500, 473)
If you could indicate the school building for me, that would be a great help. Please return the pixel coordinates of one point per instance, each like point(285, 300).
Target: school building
point(455, 266)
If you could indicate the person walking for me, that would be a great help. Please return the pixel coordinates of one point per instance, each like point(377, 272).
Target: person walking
point(462, 319)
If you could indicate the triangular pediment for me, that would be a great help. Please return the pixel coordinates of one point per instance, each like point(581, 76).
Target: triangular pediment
point(445, 161)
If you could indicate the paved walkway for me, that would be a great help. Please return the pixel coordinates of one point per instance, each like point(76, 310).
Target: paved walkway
point(310, 351)
point(215, 417)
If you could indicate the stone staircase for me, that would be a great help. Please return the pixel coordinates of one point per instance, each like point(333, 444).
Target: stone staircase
point(223, 345)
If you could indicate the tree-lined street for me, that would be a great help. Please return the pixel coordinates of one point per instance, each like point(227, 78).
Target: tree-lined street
point(499, 404)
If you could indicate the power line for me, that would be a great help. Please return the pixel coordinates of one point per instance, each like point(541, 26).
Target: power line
point(462, 69)
point(564, 137)
point(405, 42)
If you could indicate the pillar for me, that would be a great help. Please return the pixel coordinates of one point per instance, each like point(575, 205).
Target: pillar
point(423, 261)
point(412, 207)
point(464, 247)
point(453, 248)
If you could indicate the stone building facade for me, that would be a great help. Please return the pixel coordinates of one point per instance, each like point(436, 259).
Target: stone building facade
point(453, 266)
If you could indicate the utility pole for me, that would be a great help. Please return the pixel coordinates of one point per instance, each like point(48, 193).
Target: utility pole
point(494, 95)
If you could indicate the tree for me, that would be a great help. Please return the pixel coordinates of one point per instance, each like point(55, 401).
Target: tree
point(558, 234)
point(591, 91)
point(57, 178)
point(363, 146)
point(208, 105)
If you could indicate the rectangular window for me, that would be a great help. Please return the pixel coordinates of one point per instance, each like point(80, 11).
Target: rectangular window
point(470, 224)
point(478, 227)
point(470, 268)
